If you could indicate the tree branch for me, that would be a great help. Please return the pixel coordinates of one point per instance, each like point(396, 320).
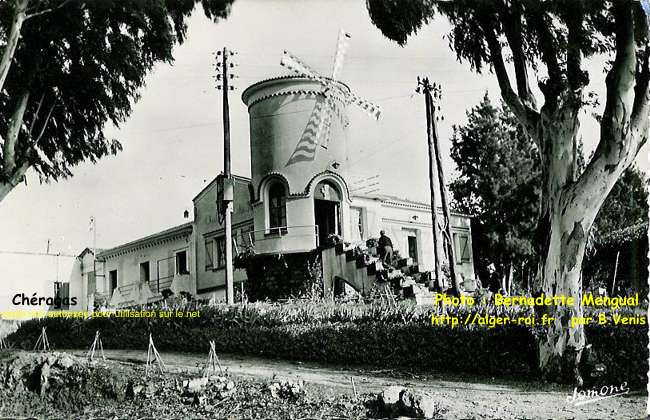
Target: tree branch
point(619, 141)
point(537, 19)
point(9, 146)
point(7, 185)
point(621, 77)
point(512, 29)
point(528, 117)
point(574, 20)
point(20, 8)
point(35, 116)
point(48, 10)
point(641, 108)
point(47, 120)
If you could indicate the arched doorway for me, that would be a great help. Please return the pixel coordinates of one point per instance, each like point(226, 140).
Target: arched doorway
point(327, 210)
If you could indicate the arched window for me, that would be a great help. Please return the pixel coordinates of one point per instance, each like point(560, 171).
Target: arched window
point(277, 206)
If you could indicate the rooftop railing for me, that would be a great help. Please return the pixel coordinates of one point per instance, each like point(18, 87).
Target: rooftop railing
point(282, 234)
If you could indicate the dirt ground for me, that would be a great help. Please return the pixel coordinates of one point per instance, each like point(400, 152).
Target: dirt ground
point(462, 397)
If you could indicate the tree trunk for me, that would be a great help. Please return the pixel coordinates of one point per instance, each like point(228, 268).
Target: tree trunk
point(563, 228)
point(15, 179)
point(560, 350)
point(20, 9)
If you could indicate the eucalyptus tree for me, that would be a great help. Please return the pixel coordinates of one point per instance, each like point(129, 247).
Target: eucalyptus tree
point(70, 67)
point(554, 42)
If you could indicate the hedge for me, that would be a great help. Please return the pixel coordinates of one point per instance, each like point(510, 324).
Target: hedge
point(354, 334)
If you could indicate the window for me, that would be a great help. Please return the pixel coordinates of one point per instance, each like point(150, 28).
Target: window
point(249, 235)
point(144, 272)
point(209, 254)
point(461, 241)
point(181, 263)
point(221, 251)
point(112, 279)
point(356, 224)
point(412, 242)
point(277, 206)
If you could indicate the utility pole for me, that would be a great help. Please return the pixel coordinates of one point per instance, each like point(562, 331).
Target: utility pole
point(426, 88)
point(93, 226)
point(226, 205)
point(437, 236)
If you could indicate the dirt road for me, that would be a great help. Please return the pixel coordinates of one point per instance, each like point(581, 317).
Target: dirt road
point(463, 396)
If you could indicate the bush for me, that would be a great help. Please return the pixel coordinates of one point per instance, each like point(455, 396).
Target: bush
point(357, 334)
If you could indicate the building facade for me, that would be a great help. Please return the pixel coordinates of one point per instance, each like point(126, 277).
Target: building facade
point(296, 199)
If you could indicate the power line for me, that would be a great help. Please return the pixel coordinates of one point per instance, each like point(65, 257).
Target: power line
point(58, 254)
point(359, 57)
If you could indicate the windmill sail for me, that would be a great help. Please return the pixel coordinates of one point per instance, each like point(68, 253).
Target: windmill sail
point(305, 150)
point(319, 124)
point(296, 65)
point(341, 48)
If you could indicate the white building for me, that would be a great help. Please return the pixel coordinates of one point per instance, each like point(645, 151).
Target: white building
point(298, 195)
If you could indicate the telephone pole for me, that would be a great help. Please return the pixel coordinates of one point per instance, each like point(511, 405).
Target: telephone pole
point(227, 198)
point(437, 236)
point(435, 165)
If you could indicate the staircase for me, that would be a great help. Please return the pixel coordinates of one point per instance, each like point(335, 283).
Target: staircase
point(363, 272)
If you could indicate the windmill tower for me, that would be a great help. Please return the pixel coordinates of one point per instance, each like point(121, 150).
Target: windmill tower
point(298, 135)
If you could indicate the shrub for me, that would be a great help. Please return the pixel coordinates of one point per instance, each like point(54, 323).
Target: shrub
point(357, 334)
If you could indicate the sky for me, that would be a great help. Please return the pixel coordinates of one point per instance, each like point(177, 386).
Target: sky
point(173, 140)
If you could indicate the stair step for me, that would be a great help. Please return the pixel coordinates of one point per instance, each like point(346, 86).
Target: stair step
point(373, 267)
point(361, 261)
point(410, 269)
point(404, 262)
point(425, 277)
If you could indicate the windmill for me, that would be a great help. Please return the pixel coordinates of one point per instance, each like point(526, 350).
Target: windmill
point(318, 127)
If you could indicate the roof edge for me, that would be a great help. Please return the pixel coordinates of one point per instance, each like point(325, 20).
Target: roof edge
point(214, 180)
point(184, 228)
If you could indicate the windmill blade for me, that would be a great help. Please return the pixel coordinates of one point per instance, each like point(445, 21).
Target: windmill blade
point(323, 131)
point(370, 108)
point(296, 65)
point(341, 48)
point(305, 150)
point(299, 67)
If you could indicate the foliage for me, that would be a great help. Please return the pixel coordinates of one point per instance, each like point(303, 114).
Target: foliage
point(499, 183)
point(372, 243)
point(550, 41)
point(619, 240)
point(79, 66)
point(367, 334)
point(282, 276)
point(623, 214)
